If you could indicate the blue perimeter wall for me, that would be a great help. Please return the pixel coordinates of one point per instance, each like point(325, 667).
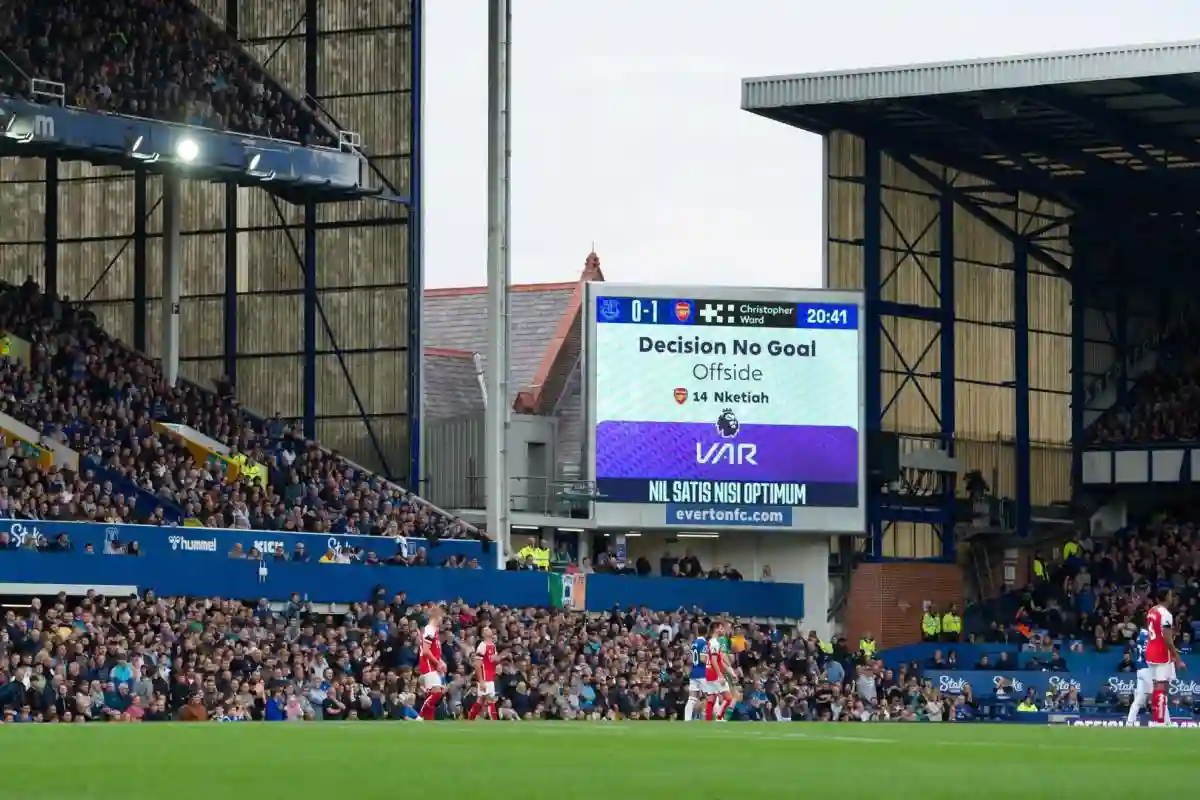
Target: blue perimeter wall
point(1088, 672)
point(195, 562)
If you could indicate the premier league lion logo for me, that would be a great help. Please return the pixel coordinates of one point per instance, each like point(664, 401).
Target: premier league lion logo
point(727, 424)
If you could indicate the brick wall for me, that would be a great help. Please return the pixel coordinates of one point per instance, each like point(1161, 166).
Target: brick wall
point(886, 599)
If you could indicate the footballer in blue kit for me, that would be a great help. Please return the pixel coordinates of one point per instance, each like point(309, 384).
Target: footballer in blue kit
point(1145, 681)
point(1139, 649)
point(697, 682)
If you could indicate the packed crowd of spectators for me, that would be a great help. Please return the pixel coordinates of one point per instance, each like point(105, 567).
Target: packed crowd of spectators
point(1164, 404)
point(1088, 598)
point(1096, 597)
point(85, 390)
point(391, 554)
point(31, 491)
point(147, 658)
point(161, 59)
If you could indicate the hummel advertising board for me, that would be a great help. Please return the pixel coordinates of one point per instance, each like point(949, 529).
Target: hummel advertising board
point(723, 407)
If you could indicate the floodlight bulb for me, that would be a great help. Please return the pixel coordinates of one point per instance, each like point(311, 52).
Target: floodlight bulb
point(187, 150)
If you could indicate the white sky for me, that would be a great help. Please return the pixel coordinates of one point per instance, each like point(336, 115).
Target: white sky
point(628, 132)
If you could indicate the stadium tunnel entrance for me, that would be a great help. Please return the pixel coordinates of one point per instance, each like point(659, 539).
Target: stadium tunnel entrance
point(1021, 229)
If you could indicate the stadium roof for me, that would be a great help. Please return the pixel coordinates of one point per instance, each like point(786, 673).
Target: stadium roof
point(1070, 126)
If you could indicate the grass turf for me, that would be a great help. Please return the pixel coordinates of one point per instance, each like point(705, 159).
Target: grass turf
point(585, 760)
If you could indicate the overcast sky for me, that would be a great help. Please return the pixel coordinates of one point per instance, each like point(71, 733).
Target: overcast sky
point(627, 130)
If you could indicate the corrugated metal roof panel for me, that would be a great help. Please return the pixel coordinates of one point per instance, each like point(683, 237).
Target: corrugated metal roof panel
point(853, 86)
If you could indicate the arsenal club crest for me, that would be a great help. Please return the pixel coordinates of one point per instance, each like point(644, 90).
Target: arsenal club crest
point(681, 395)
point(683, 312)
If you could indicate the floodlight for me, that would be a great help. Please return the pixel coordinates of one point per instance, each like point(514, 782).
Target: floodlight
point(187, 150)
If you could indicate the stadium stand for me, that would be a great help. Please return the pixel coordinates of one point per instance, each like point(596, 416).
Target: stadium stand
point(109, 404)
point(1064, 639)
point(161, 59)
point(97, 659)
point(1162, 405)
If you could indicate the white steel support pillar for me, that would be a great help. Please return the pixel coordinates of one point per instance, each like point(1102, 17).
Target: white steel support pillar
point(499, 401)
point(172, 202)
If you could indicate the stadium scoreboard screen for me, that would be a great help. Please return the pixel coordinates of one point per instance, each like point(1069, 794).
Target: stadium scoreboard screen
point(715, 407)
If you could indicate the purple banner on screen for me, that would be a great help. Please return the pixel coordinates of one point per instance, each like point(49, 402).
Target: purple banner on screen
point(699, 451)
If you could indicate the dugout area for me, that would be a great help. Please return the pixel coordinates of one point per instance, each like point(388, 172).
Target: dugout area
point(1018, 226)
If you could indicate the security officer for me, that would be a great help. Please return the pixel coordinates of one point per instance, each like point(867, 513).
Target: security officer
point(541, 557)
point(1039, 568)
point(931, 625)
point(526, 553)
point(866, 646)
point(5, 345)
point(951, 625)
point(1071, 549)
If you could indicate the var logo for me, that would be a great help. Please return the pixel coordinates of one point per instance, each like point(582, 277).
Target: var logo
point(727, 453)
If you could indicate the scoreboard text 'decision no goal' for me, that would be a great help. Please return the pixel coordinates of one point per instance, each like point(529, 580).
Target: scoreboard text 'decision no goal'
point(727, 406)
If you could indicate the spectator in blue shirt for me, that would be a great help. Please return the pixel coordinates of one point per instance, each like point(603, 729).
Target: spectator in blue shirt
point(963, 711)
point(276, 707)
point(122, 673)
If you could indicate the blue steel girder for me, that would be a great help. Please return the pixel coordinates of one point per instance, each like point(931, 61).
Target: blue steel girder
point(937, 511)
point(1080, 290)
point(305, 254)
point(229, 337)
point(1003, 179)
point(1181, 92)
point(1088, 195)
point(1124, 129)
point(50, 229)
point(416, 253)
point(1023, 455)
point(1051, 226)
point(1034, 250)
point(909, 253)
point(1015, 146)
point(948, 416)
point(1025, 248)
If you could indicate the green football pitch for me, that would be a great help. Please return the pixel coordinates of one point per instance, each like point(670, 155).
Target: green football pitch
point(606, 761)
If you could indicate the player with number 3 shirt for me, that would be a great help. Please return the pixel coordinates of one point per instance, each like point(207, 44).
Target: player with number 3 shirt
point(1162, 656)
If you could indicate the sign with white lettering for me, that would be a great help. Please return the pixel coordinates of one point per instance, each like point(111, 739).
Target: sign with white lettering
point(730, 399)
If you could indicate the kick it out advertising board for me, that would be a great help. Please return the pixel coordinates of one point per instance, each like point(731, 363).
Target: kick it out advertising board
point(722, 407)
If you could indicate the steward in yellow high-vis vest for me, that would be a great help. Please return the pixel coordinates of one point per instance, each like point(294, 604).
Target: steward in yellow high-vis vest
point(866, 646)
point(931, 626)
point(951, 625)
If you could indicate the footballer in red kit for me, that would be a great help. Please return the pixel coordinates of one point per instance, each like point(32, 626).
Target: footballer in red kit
point(1162, 656)
point(486, 659)
point(431, 666)
point(717, 689)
